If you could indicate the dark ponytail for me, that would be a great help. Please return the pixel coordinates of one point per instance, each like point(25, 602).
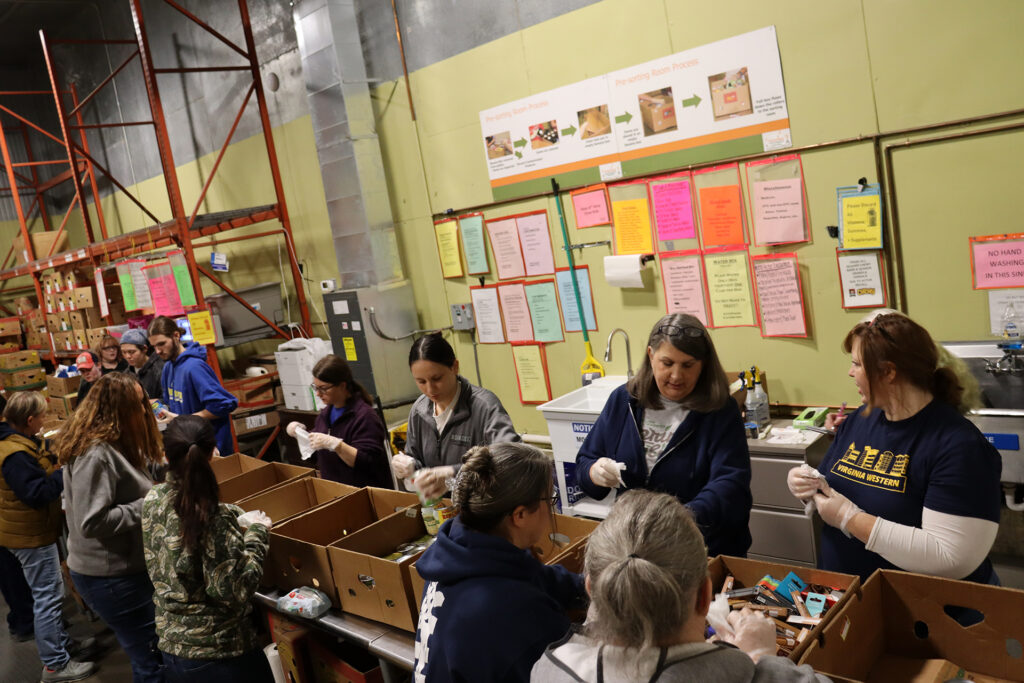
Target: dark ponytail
point(189, 442)
point(434, 348)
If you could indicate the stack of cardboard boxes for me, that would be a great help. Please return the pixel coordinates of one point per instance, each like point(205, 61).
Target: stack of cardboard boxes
point(62, 395)
point(21, 371)
point(10, 334)
point(72, 310)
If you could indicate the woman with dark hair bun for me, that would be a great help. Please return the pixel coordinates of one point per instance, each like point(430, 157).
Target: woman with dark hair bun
point(909, 482)
point(206, 561)
point(348, 435)
point(674, 428)
point(449, 418)
point(489, 607)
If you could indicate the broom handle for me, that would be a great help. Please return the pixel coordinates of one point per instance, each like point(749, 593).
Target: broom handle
point(572, 264)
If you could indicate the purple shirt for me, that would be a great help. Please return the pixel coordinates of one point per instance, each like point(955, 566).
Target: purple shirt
point(360, 427)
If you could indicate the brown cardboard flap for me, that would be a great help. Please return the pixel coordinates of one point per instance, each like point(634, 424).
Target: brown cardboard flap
point(286, 501)
point(575, 528)
point(387, 502)
point(255, 481)
point(234, 465)
point(904, 615)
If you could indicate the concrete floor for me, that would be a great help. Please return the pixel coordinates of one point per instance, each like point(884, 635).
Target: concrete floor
point(19, 662)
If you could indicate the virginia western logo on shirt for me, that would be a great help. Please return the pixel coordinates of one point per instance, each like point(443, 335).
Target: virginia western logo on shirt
point(872, 467)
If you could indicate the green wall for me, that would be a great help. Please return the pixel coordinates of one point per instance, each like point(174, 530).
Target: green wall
point(850, 68)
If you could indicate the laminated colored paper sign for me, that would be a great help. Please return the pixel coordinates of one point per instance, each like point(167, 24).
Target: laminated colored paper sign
point(673, 210)
point(779, 297)
point(567, 299)
point(139, 282)
point(201, 324)
point(124, 276)
point(997, 263)
point(721, 219)
point(778, 211)
point(860, 279)
point(632, 226)
point(472, 229)
point(531, 373)
point(487, 313)
point(508, 253)
point(729, 288)
point(590, 208)
point(182, 279)
point(543, 301)
point(684, 285)
point(860, 217)
point(535, 238)
point(446, 233)
point(515, 312)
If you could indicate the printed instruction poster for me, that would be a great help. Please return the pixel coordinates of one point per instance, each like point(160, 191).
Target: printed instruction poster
point(779, 297)
point(729, 288)
point(860, 279)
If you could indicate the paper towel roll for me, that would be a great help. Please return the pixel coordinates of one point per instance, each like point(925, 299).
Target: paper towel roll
point(624, 271)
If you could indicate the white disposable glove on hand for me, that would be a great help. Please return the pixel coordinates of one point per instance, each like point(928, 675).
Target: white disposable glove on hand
point(292, 426)
point(753, 633)
point(836, 509)
point(804, 481)
point(606, 472)
point(403, 465)
point(247, 519)
point(433, 481)
point(319, 441)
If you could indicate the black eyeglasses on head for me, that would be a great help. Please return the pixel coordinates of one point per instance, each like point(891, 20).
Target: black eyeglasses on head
point(680, 330)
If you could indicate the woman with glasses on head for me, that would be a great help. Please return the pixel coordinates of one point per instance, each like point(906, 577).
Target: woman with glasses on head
point(674, 428)
point(909, 482)
point(110, 355)
point(348, 434)
point(489, 607)
point(449, 418)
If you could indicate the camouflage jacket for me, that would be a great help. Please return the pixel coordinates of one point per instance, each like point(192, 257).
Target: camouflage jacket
point(203, 601)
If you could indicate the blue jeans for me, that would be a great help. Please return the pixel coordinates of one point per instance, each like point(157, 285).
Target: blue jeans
point(251, 667)
point(125, 603)
point(42, 572)
point(17, 594)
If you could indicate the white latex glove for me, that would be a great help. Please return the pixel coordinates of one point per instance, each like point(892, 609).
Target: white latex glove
point(804, 481)
point(247, 519)
point(432, 482)
point(292, 426)
point(403, 466)
point(319, 441)
point(606, 472)
point(836, 509)
point(753, 632)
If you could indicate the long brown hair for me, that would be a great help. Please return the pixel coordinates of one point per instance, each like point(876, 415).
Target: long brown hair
point(189, 442)
point(107, 338)
point(113, 413)
point(334, 370)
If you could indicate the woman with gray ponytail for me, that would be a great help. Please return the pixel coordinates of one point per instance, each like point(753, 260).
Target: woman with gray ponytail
point(489, 607)
point(646, 572)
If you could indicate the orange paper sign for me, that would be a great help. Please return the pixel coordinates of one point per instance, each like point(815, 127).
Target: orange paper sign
point(721, 219)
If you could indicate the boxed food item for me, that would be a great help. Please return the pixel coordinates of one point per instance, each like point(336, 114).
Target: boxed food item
point(253, 392)
point(250, 423)
point(292, 640)
point(10, 326)
point(908, 627)
point(288, 500)
point(94, 336)
point(44, 245)
point(750, 583)
point(62, 406)
point(658, 114)
point(33, 378)
point(83, 297)
point(19, 360)
point(260, 479)
point(63, 386)
point(63, 341)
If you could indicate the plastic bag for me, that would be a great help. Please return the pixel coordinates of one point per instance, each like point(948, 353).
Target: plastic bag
point(304, 602)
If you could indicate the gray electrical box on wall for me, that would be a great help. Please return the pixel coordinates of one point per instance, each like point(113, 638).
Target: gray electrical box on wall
point(462, 317)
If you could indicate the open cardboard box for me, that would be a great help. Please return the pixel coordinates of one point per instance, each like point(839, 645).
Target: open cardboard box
point(748, 572)
point(233, 465)
point(261, 479)
point(341, 662)
point(900, 625)
point(287, 500)
point(298, 547)
point(371, 586)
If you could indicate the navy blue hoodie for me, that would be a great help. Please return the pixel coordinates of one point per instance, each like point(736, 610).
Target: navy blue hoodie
point(706, 465)
point(27, 479)
point(489, 609)
point(190, 385)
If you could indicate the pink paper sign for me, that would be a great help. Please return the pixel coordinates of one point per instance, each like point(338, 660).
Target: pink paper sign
point(591, 208)
point(998, 264)
point(673, 210)
point(172, 298)
point(508, 254)
point(778, 211)
point(779, 297)
point(684, 286)
point(515, 311)
point(536, 243)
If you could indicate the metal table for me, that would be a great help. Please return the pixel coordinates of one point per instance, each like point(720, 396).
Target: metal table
point(392, 647)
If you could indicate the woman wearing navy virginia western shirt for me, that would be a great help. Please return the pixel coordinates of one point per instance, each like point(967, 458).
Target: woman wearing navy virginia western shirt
point(909, 483)
point(348, 435)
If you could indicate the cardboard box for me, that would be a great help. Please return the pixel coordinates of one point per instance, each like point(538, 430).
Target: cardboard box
point(288, 500)
point(44, 245)
point(63, 341)
point(233, 465)
point(10, 327)
point(371, 586)
point(748, 572)
point(83, 297)
point(292, 642)
point(19, 360)
point(900, 623)
point(658, 115)
point(94, 336)
point(251, 423)
point(340, 662)
point(298, 548)
point(53, 322)
point(300, 397)
point(63, 386)
point(245, 485)
point(62, 406)
point(566, 532)
point(23, 379)
point(8, 344)
point(253, 392)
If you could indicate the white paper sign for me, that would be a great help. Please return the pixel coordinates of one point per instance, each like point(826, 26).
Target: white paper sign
point(487, 313)
point(860, 279)
point(997, 301)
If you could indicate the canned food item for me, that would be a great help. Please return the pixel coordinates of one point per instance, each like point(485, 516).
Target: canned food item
point(444, 513)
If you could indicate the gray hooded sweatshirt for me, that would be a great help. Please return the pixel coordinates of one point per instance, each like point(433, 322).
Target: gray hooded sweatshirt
point(478, 419)
point(579, 658)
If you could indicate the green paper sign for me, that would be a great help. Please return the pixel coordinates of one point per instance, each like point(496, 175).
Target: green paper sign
point(127, 290)
point(184, 282)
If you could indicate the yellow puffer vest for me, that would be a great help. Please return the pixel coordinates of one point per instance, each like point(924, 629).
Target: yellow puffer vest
point(20, 525)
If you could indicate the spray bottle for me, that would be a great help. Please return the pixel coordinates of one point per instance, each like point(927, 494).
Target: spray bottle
point(764, 417)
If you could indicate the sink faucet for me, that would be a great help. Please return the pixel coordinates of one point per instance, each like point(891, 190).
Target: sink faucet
point(608, 351)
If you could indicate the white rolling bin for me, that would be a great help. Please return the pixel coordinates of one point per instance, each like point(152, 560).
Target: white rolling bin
point(569, 419)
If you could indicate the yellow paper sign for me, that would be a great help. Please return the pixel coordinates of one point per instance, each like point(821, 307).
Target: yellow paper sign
point(729, 289)
point(202, 327)
point(862, 221)
point(350, 348)
point(447, 235)
point(632, 227)
point(532, 373)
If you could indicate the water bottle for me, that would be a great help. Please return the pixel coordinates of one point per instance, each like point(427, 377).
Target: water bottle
point(1011, 322)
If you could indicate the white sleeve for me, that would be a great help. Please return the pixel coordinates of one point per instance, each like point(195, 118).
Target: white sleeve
point(946, 545)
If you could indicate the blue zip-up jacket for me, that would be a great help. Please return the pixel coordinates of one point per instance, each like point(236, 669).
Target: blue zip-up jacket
point(706, 465)
point(190, 385)
point(489, 609)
